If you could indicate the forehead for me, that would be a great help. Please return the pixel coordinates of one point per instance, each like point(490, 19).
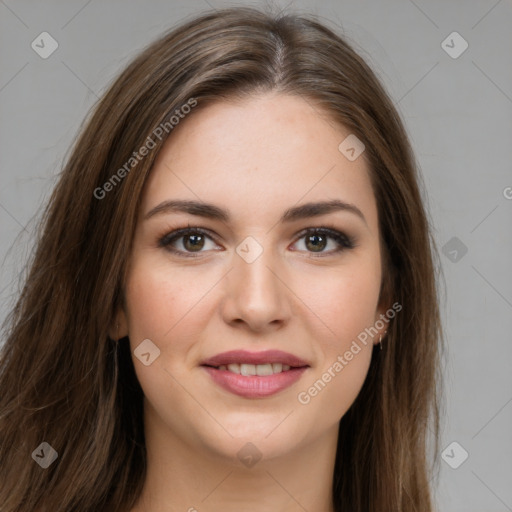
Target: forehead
point(259, 156)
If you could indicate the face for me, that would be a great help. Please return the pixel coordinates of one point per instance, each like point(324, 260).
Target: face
point(256, 274)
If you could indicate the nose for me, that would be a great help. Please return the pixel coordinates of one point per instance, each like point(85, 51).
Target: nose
point(256, 294)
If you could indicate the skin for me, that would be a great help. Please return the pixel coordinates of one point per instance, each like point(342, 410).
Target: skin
point(256, 158)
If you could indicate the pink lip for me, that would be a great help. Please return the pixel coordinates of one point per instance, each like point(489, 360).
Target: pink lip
point(263, 357)
point(255, 386)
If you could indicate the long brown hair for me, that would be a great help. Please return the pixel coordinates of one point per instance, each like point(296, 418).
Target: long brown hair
point(65, 382)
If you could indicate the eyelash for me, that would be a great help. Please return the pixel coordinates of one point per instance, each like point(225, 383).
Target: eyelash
point(344, 241)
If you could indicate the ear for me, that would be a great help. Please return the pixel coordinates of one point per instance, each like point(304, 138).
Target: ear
point(385, 311)
point(385, 308)
point(119, 327)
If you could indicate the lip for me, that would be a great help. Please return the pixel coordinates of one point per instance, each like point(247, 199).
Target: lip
point(255, 386)
point(262, 357)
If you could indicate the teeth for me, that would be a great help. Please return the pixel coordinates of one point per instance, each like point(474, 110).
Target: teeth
point(277, 367)
point(255, 369)
point(264, 369)
point(234, 368)
point(248, 369)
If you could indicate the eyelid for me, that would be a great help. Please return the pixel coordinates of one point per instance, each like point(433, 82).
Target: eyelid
point(345, 242)
point(327, 229)
point(175, 234)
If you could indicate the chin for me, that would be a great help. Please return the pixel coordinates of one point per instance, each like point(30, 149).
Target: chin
point(257, 435)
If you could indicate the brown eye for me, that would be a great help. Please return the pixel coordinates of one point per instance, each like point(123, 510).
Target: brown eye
point(195, 239)
point(317, 239)
point(187, 241)
point(316, 243)
point(193, 242)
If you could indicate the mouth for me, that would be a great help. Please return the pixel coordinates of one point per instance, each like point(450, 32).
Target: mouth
point(255, 374)
point(254, 369)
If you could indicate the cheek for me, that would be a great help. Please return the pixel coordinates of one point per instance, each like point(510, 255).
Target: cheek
point(152, 304)
point(334, 389)
point(159, 300)
point(346, 307)
point(164, 308)
point(343, 304)
point(170, 307)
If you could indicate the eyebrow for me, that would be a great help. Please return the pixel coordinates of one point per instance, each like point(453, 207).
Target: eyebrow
point(211, 211)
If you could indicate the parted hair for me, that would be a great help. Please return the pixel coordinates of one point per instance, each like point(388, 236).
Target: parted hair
point(64, 381)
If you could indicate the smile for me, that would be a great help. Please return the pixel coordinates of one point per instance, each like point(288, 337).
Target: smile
point(254, 374)
point(255, 369)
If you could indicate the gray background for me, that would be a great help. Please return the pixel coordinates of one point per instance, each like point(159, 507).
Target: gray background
point(457, 112)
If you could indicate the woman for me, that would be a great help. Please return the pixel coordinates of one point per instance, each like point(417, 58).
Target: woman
point(233, 300)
